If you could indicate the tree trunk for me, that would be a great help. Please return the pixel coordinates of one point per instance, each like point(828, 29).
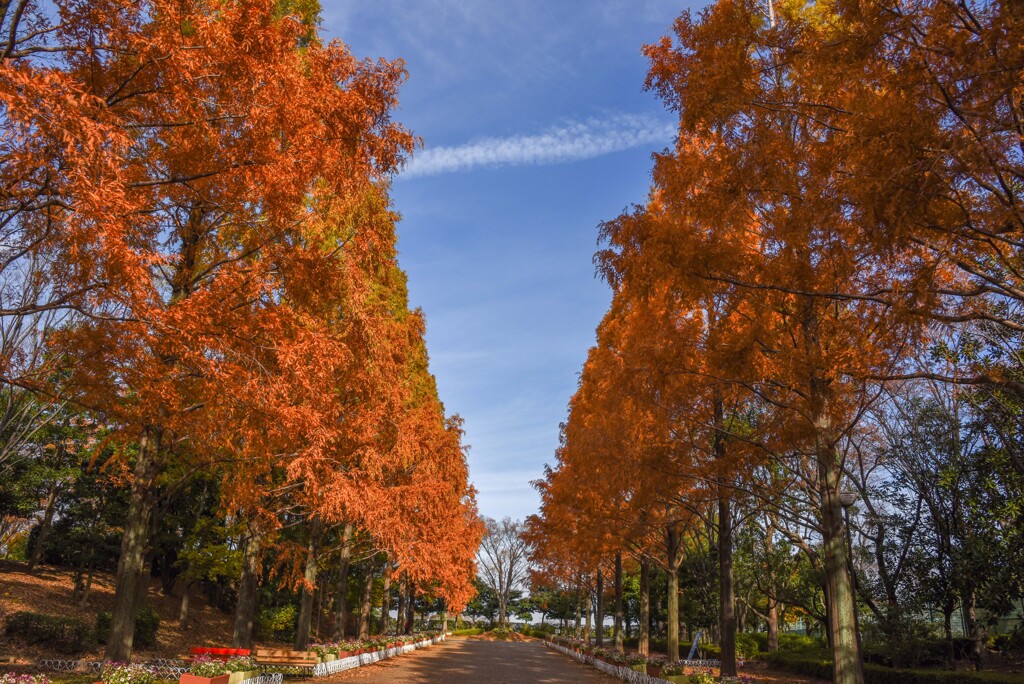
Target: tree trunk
point(726, 593)
point(410, 607)
point(973, 628)
point(586, 617)
point(341, 593)
point(364, 612)
point(618, 602)
point(599, 609)
point(309, 577)
point(644, 619)
point(248, 586)
point(134, 540)
point(579, 606)
point(727, 599)
point(86, 588)
point(674, 545)
point(773, 605)
point(947, 626)
point(44, 527)
point(321, 591)
point(183, 609)
point(672, 626)
point(400, 613)
point(385, 600)
point(847, 665)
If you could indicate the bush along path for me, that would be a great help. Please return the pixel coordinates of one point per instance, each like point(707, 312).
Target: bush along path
point(641, 669)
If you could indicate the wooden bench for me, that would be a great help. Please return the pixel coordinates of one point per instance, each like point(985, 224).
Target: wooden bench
point(285, 658)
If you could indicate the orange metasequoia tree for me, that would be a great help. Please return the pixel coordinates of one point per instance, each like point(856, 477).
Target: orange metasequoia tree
point(759, 184)
point(225, 130)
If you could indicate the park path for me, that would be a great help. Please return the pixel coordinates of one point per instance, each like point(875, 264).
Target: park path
point(470, 661)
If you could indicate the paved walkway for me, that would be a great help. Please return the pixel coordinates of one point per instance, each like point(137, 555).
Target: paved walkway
point(468, 661)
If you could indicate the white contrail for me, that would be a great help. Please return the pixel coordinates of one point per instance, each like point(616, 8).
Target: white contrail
point(567, 142)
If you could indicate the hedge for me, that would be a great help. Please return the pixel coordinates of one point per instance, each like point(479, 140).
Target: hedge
point(468, 632)
point(147, 624)
point(815, 663)
point(63, 634)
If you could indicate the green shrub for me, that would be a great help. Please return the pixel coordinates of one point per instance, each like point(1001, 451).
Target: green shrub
point(1012, 642)
point(539, 631)
point(818, 663)
point(789, 641)
point(277, 624)
point(63, 634)
point(748, 645)
point(147, 624)
point(473, 631)
point(103, 619)
point(655, 645)
point(809, 661)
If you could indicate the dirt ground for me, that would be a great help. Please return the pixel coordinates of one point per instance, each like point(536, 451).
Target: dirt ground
point(48, 590)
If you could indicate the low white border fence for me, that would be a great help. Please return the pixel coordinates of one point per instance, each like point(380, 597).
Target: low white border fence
point(626, 674)
point(341, 664)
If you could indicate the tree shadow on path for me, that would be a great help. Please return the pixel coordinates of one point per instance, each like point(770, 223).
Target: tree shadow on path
point(468, 661)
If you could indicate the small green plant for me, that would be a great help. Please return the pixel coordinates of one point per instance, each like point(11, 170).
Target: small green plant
point(240, 664)
point(636, 659)
point(676, 668)
point(128, 673)
point(208, 667)
point(702, 677)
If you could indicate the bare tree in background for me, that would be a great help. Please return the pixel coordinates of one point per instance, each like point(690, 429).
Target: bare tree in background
point(23, 355)
point(503, 561)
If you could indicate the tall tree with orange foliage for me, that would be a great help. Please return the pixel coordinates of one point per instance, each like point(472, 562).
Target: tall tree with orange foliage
point(755, 181)
point(217, 130)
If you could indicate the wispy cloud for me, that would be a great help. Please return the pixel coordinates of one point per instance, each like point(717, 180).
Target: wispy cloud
point(567, 142)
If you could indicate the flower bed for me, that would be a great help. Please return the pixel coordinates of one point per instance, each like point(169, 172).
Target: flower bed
point(634, 667)
point(351, 654)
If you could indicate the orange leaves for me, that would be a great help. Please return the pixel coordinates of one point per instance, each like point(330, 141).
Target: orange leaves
point(208, 184)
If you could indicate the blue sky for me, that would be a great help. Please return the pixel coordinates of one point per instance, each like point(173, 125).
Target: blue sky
point(536, 129)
